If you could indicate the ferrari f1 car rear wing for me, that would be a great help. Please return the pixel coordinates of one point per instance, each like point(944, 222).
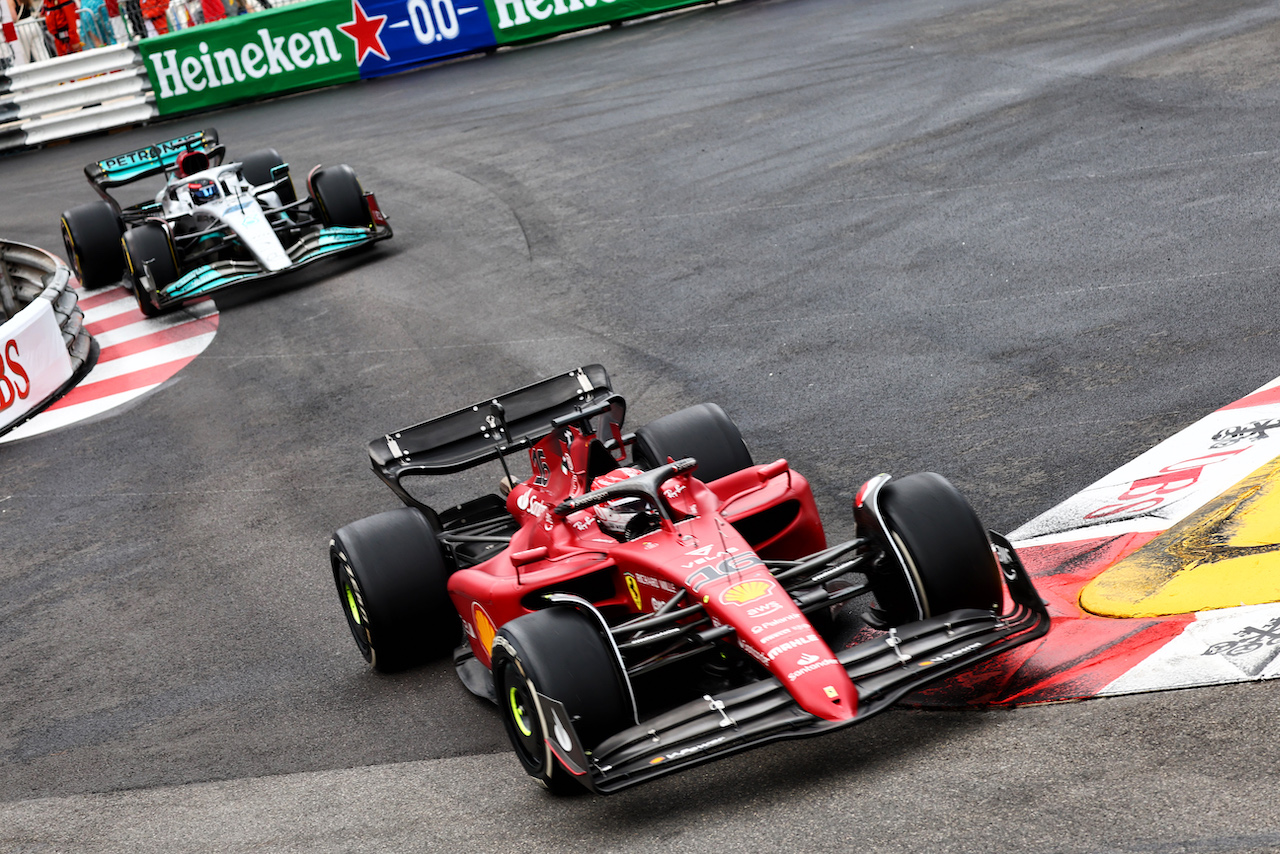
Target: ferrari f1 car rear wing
point(739, 719)
point(494, 428)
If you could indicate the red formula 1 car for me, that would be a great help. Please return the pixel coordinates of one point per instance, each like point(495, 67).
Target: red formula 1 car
point(645, 602)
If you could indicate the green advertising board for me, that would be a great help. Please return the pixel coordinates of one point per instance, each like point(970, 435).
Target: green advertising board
point(519, 20)
point(300, 46)
point(318, 43)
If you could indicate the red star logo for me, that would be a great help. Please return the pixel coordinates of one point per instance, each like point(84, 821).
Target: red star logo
point(366, 32)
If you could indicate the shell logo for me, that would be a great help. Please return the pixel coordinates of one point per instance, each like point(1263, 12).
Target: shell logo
point(747, 591)
point(484, 628)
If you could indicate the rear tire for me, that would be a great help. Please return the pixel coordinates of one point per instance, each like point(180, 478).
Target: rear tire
point(703, 432)
point(257, 167)
point(558, 653)
point(91, 235)
point(339, 196)
point(148, 246)
point(392, 578)
point(950, 564)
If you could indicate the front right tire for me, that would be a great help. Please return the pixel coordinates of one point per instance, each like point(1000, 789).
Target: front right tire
point(149, 247)
point(949, 564)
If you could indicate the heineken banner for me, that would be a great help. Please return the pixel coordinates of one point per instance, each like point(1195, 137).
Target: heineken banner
point(322, 42)
point(518, 20)
point(251, 56)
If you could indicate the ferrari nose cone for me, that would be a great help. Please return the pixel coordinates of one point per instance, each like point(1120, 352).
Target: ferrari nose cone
point(819, 684)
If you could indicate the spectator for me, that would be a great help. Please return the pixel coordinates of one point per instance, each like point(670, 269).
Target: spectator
point(25, 10)
point(134, 22)
point(213, 10)
point(154, 11)
point(60, 18)
point(95, 23)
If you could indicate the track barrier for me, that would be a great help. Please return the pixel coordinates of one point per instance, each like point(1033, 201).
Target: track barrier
point(283, 49)
point(44, 348)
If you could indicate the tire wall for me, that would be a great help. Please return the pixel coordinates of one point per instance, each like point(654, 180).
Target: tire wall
point(43, 344)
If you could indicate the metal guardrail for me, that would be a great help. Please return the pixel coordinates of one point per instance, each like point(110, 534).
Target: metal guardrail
point(85, 92)
point(55, 98)
point(63, 98)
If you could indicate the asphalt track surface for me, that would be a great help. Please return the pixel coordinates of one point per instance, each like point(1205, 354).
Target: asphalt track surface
point(1017, 243)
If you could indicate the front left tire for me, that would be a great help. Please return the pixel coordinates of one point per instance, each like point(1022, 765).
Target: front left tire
point(91, 236)
point(339, 196)
point(560, 653)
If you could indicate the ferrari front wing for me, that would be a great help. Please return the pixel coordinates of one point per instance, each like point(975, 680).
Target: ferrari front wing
point(883, 671)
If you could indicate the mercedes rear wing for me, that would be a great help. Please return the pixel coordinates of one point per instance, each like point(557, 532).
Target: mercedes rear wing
point(144, 162)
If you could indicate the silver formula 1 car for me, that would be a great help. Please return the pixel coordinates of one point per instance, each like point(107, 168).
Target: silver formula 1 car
point(214, 224)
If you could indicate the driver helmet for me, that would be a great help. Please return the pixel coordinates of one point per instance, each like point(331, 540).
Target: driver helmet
point(203, 191)
point(614, 516)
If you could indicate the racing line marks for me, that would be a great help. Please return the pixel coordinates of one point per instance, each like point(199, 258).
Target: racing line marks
point(913, 194)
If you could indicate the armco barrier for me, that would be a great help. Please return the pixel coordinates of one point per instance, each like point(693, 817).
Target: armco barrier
point(73, 95)
point(44, 348)
point(289, 48)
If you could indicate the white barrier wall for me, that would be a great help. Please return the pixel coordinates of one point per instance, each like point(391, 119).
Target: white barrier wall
point(34, 363)
point(44, 348)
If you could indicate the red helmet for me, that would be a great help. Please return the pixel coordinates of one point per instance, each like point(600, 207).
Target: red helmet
point(615, 516)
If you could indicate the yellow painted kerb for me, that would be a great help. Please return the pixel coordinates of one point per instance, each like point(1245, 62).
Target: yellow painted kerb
point(1225, 554)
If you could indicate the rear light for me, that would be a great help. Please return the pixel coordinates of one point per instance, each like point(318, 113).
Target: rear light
point(379, 218)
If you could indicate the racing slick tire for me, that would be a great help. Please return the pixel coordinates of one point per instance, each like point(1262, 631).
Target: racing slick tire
point(391, 577)
point(560, 653)
point(91, 235)
point(703, 432)
point(339, 196)
point(149, 244)
point(257, 167)
point(949, 561)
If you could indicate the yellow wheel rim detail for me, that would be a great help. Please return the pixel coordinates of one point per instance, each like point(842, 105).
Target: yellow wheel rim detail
point(517, 714)
point(352, 606)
